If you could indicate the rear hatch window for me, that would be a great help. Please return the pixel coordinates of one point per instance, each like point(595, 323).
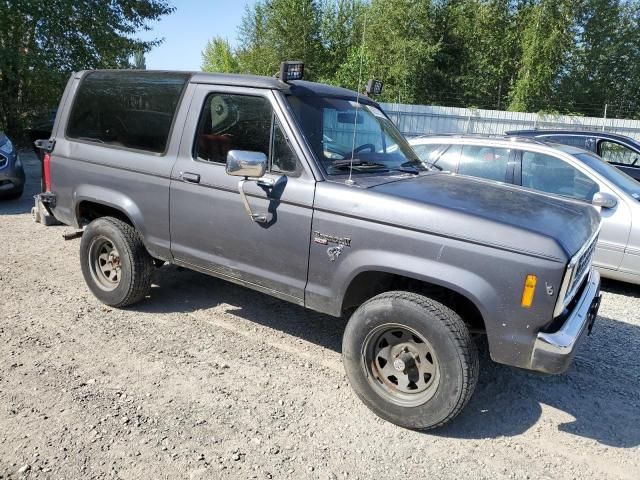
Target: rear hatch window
point(126, 109)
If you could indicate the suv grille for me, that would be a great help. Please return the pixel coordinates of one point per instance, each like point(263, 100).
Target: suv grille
point(582, 266)
point(577, 270)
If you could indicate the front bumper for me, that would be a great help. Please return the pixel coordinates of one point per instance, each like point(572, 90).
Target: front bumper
point(553, 352)
point(12, 176)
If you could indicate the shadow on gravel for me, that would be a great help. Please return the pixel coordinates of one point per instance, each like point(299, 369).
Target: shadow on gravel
point(598, 398)
point(620, 288)
point(601, 391)
point(178, 290)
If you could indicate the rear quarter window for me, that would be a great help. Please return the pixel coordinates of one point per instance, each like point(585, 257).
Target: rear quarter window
point(126, 109)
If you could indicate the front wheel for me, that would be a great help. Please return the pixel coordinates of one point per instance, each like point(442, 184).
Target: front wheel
point(410, 359)
point(115, 263)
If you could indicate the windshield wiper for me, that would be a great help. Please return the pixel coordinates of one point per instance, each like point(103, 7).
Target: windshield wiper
point(341, 164)
point(407, 169)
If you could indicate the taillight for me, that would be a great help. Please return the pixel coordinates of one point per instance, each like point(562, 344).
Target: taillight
point(46, 172)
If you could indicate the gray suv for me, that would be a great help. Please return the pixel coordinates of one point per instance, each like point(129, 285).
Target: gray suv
point(309, 193)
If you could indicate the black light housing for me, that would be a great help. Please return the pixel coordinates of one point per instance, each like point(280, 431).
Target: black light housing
point(374, 87)
point(291, 70)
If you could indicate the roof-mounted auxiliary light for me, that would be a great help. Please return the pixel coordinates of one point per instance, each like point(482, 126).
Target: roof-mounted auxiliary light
point(291, 70)
point(373, 87)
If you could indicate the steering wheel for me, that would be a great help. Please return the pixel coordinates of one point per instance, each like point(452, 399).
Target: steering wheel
point(635, 160)
point(367, 146)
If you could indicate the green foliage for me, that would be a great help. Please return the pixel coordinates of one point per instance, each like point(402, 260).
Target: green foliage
point(41, 43)
point(139, 61)
point(218, 57)
point(536, 55)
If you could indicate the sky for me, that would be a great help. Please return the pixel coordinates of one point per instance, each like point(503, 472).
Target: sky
point(188, 29)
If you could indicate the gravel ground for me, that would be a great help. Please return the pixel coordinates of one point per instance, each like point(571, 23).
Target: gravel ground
point(209, 380)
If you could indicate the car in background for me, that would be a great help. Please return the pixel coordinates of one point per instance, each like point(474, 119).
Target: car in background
point(11, 170)
point(557, 169)
point(619, 150)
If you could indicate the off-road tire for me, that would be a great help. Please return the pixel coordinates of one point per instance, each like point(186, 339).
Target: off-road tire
point(447, 335)
point(135, 262)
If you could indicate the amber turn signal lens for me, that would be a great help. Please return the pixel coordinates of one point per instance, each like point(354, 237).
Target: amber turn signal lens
point(528, 291)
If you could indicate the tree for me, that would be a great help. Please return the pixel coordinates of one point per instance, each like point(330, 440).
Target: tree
point(139, 62)
point(41, 43)
point(276, 30)
point(218, 56)
point(398, 48)
point(546, 44)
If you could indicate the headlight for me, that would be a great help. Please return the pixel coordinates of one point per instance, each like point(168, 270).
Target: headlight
point(6, 147)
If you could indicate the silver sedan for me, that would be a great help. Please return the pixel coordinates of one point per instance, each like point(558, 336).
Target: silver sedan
point(555, 169)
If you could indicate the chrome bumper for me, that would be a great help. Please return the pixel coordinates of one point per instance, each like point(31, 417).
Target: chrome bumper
point(553, 352)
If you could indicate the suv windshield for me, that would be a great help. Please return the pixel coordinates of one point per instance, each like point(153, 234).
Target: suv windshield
point(615, 176)
point(345, 134)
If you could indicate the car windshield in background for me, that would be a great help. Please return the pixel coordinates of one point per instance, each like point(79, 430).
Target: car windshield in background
point(345, 134)
point(617, 177)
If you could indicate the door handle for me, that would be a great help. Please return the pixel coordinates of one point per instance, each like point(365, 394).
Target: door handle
point(190, 177)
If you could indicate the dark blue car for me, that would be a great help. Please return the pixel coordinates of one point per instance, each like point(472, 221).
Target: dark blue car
point(11, 170)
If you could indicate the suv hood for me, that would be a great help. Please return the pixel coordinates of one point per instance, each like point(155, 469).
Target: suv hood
point(470, 209)
point(467, 199)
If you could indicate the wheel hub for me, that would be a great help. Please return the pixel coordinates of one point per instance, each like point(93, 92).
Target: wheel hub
point(402, 364)
point(104, 262)
point(405, 360)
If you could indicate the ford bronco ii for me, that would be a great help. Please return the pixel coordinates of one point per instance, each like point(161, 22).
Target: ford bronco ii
point(309, 193)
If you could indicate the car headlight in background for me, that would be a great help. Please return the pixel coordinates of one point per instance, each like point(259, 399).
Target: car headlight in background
point(6, 147)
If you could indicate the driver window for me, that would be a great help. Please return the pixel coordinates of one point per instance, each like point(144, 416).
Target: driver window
point(233, 122)
point(552, 175)
point(617, 153)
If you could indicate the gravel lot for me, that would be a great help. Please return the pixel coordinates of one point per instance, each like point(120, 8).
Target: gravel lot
point(209, 380)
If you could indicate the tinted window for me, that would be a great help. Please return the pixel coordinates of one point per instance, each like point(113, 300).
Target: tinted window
point(443, 156)
point(233, 122)
point(428, 152)
point(448, 160)
point(553, 175)
point(243, 122)
point(126, 109)
point(283, 158)
point(573, 140)
point(617, 153)
point(485, 162)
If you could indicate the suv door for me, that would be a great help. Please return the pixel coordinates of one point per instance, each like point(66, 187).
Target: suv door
point(555, 175)
point(620, 155)
point(210, 228)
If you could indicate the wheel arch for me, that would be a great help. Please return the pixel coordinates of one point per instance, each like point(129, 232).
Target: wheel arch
point(92, 202)
point(371, 282)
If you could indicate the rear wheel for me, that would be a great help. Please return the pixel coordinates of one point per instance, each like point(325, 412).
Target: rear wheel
point(410, 359)
point(115, 263)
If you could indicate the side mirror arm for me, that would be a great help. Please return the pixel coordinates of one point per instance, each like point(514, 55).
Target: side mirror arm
point(256, 217)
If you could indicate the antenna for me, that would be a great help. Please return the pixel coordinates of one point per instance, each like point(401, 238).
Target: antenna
point(355, 120)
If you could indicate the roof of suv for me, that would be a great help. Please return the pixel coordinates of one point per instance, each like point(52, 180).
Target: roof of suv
point(296, 87)
point(577, 133)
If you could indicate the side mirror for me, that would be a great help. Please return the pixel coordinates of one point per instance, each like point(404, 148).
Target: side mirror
point(604, 200)
point(242, 163)
point(251, 166)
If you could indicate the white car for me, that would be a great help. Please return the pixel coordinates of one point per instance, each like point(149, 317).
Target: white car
point(556, 169)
